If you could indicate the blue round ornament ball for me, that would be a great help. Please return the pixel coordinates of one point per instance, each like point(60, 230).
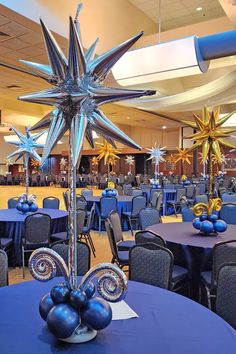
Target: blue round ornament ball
point(212, 217)
point(33, 208)
point(62, 320)
point(207, 227)
point(97, 314)
point(60, 293)
point(18, 206)
point(203, 217)
point(220, 226)
point(45, 305)
point(78, 299)
point(197, 223)
point(89, 289)
point(24, 208)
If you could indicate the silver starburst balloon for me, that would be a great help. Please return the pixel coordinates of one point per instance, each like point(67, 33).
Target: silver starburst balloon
point(26, 148)
point(129, 160)
point(77, 94)
point(156, 154)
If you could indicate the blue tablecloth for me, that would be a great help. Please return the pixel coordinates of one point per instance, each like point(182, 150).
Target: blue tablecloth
point(12, 225)
point(191, 249)
point(168, 324)
point(124, 203)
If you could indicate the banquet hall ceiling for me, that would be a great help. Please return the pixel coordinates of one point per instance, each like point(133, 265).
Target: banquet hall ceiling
point(176, 13)
point(21, 38)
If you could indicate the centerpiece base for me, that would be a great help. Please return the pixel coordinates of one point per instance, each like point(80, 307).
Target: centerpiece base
point(81, 334)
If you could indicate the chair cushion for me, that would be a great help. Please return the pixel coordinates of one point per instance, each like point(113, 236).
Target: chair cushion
point(123, 256)
point(125, 245)
point(59, 236)
point(126, 213)
point(206, 278)
point(179, 273)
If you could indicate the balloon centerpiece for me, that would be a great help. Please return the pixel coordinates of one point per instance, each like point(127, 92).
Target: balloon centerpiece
point(156, 155)
point(184, 180)
point(27, 203)
point(130, 160)
point(71, 311)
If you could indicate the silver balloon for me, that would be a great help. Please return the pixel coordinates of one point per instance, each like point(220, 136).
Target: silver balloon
point(27, 145)
point(43, 264)
point(77, 95)
point(112, 282)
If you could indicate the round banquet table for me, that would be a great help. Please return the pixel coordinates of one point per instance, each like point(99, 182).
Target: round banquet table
point(168, 323)
point(12, 225)
point(190, 248)
point(124, 203)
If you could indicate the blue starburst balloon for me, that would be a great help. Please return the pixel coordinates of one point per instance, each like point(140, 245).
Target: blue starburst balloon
point(78, 92)
point(26, 145)
point(156, 154)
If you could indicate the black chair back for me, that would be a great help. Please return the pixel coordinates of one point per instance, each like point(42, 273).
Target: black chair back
point(223, 252)
point(3, 268)
point(114, 219)
point(107, 205)
point(51, 203)
point(149, 236)
point(11, 203)
point(37, 229)
point(148, 217)
point(139, 202)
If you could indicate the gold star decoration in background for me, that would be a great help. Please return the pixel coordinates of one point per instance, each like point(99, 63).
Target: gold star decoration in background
point(94, 161)
point(210, 132)
point(182, 155)
point(171, 159)
point(108, 152)
point(35, 164)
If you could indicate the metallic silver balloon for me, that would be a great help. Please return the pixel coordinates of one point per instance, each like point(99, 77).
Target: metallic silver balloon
point(43, 262)
point(77, 95)
point(27, 145)
point(112, 281)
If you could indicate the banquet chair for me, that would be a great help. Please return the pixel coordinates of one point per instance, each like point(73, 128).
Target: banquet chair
point(228, 213)
point(66, 199)
point(34, 180)
point(223, 252)
point(148, 236)
point(122, 245)
point(226, 293)
point(87, 193)
point(107, 204)
point(121, 258)
point(176, 202)
point(138, 203)
point(11, 203)
point(3, 268)
point(36, 234)
point(201, 198)
point(62, 236)
point(180, 275)
point(81, 202)
point(51, 203)
point(136, 192)
point(83, 255)
point(119, 189)
point(148, 216)
point(86, 229)
point(190, 191)
point(127, 188)
point(200, 189)
point(187, 214)
point(151, 264)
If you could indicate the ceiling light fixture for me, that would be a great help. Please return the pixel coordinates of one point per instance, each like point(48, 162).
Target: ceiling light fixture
point(199, 9)
point(164, 127)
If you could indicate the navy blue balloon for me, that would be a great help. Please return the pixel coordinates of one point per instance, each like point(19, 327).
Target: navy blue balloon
point(89, 289)
point(78, 299)
point(197, 223)
point(33, 208)
point(60, 293)
point(24, 208)
point(207, 227)
point(18, 206)
point(45, 305)
point(203, 217)
point(104, 193)
point(220, 226)
point(62, 320)
point(97, 314)
point(212, 217)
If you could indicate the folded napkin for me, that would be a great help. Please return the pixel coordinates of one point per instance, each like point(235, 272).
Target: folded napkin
point(122, 311)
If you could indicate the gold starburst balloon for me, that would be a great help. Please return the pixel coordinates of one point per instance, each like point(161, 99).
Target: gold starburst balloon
point(35, 163)
point(111, 161)
point(94, 161)
point(107, 151)
point(182, 155)
point(210, 132)
point(171, 159)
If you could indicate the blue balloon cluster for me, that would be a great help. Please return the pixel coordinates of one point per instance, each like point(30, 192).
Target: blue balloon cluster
point(209, 224)
point(186, 182)
point(64, 310)
point(26, 207)
point(109, 192)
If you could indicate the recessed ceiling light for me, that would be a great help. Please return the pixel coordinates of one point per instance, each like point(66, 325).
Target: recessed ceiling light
point(164, 127)
point(199, 9)
point(127, 117)
point(231, 56)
